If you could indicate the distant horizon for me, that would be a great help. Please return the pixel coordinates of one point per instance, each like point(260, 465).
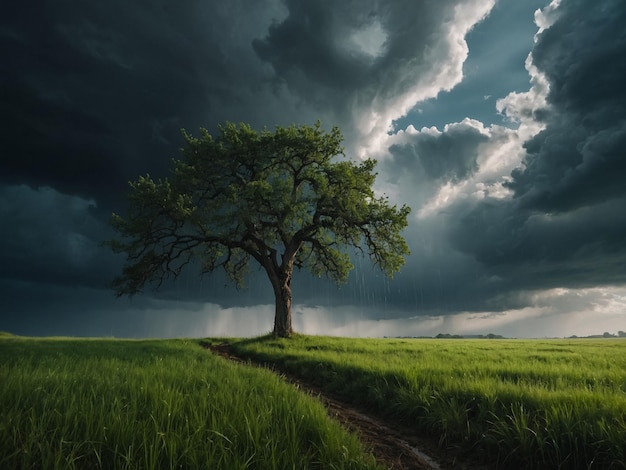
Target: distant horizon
point(606, 335)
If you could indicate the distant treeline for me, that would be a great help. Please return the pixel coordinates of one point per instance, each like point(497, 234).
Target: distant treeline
point(606, 334)
point(449, 336)
point(487, 336)
point(620, 334)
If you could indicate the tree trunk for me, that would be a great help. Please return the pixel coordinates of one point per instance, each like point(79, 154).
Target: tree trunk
point(282, 318)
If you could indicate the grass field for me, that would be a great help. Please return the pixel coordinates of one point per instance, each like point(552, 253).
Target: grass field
point(69, 403)
point(518, 403)
point(89, 404)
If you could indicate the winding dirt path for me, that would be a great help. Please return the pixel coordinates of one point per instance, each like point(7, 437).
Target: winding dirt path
point(393, 445)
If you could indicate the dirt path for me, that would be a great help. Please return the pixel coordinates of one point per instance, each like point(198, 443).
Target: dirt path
point(394, 445)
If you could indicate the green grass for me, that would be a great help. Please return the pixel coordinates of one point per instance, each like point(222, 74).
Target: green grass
point(526, 403)
point(113, 404)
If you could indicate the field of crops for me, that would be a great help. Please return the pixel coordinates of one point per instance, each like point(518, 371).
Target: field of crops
point(518, 403)
point(89, 404)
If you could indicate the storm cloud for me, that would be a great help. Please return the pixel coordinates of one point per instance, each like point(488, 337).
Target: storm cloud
point(514, 170)
point(564, 224)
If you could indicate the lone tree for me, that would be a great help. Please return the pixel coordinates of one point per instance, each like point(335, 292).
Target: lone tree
point(278, 197)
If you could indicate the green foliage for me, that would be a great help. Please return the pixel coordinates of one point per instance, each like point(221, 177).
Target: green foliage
point(282, 198)
point(112, 404)
point(519, 403)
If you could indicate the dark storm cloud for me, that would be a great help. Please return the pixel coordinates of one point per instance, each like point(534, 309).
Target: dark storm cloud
point(578, 160)
point(350, 45)
point(51, 237)
point(438, 156)
point(564, 225)
point(580, 248)
point(96, 93)
point(305, 46)
point(369, 62)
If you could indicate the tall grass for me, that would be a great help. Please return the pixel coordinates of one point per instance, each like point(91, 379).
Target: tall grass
point(524, 403)
point(111, 404)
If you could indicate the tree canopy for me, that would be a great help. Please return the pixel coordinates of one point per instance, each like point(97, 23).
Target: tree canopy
point(285, 199)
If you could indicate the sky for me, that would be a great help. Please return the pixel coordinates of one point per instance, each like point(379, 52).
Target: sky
point(502, 124)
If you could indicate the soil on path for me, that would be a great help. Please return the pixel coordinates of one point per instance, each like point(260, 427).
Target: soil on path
point(393, 445)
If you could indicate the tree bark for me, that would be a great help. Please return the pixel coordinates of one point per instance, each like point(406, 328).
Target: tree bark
point(282, 317)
